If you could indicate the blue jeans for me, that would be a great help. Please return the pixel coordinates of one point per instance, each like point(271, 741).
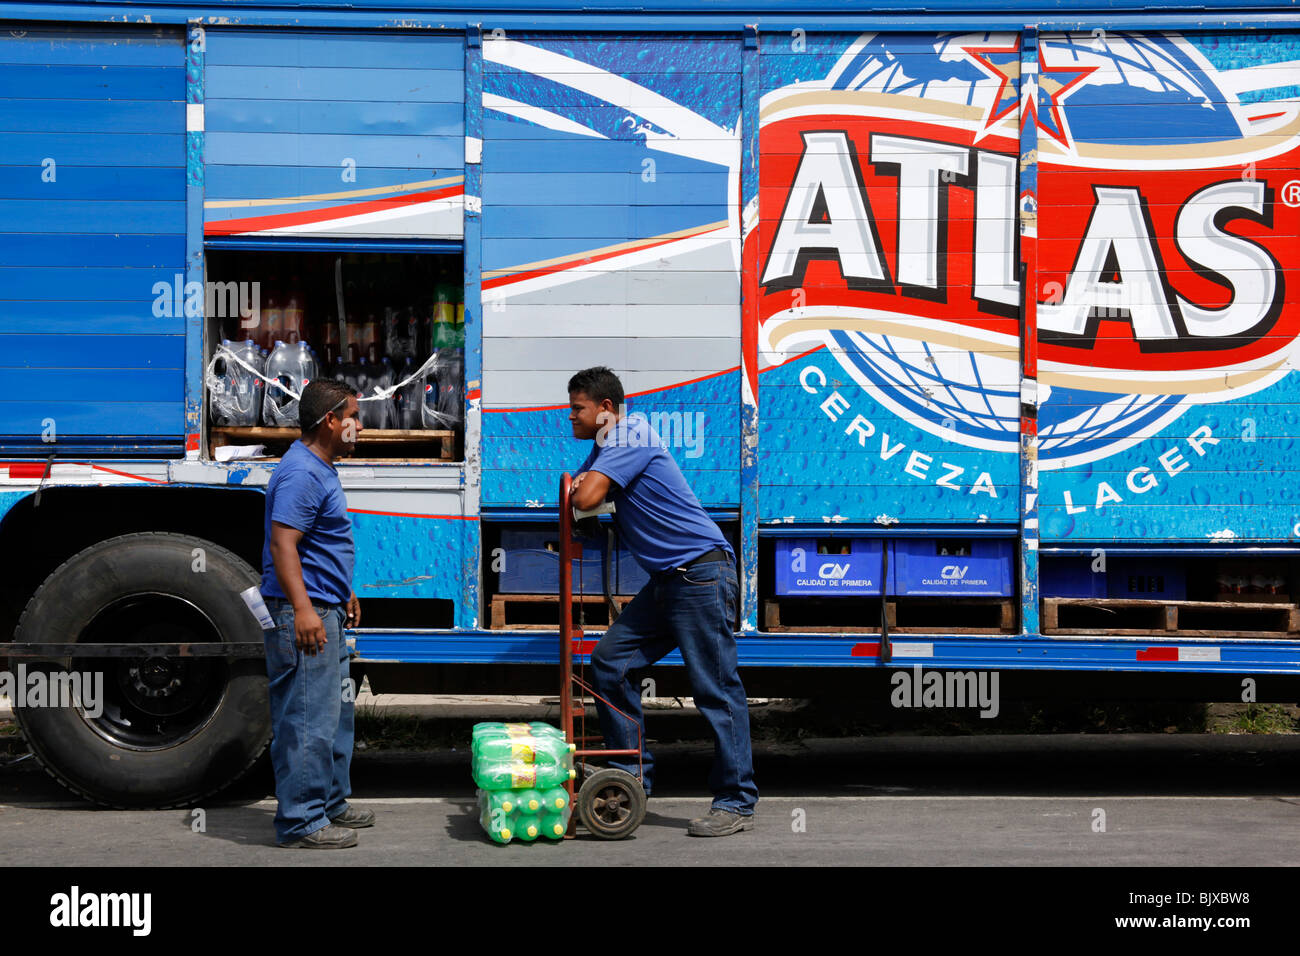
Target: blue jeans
point(311, 722)
point(693, 611)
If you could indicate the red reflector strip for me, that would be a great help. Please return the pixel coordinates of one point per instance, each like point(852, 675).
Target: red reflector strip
point(27, 471)
point(1158, 654)
point(584, 647)
point(865, 650)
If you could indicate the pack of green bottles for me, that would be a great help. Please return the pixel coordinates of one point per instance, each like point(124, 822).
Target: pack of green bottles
point(520, 770)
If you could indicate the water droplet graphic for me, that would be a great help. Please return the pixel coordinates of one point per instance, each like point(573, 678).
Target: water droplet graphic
point(1058, 524)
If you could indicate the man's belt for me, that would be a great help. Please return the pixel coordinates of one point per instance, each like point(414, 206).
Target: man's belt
point(716, 554)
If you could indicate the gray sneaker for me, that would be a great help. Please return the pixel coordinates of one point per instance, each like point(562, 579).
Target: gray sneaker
point(327, 837)
point(720, 823)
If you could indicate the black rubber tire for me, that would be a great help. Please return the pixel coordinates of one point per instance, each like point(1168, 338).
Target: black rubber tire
point(611, 804)
point(230, 725)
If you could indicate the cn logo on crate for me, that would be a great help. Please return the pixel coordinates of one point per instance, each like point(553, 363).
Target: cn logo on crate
point(969, 567)
point(835, 566)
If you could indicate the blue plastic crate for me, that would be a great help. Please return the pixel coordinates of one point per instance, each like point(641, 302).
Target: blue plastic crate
point(813, 566)
point(1070, 578)
point(971, 567)
point(532, 563)
point(1151, 578)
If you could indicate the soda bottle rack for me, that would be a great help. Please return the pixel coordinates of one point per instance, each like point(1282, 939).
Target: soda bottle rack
point(442, 443)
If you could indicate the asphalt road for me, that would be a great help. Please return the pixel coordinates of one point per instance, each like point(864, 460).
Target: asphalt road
point(1189, 800)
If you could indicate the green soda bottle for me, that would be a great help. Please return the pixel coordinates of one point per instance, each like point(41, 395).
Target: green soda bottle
point(522, 749)
point(528, 827)
point(555, 799)
point(496, 824)
point(444, 318)
point(508, 775)
point(503, 801)
point(530, 802)
point(555, 824)
point(540, 729)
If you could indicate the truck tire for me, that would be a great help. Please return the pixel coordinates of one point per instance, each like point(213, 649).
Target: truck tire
point(169, 731)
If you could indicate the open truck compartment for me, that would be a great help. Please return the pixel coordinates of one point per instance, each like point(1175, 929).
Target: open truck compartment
point(392, 326)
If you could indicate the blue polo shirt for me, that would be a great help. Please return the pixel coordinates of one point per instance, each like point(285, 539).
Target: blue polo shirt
point(305, 493)
point(659, 517)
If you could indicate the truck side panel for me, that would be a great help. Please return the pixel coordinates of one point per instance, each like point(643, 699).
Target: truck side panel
point(92, 230)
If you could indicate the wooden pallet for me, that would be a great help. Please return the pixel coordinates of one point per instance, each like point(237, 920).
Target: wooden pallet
point(905, 615)
point(1140, 618)
point(502, 604)
point(929, 615)
point(380, 442)
point(772, 620)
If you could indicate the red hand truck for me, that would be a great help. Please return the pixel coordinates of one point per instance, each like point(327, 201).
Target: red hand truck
point(609, 802)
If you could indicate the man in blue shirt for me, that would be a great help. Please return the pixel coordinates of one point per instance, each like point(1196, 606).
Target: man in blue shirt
point(689, 602)
point(307, 562)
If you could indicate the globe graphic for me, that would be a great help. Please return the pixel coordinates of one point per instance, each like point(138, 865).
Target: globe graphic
point(1148, 82)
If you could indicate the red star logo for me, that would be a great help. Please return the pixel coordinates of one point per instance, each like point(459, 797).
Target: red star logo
point(1052, 89)
point(1001, 63)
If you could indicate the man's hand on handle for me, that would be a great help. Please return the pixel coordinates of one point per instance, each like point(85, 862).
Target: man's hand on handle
point(354, 612)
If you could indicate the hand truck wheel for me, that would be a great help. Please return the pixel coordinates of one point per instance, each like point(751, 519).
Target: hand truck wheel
point(611, 804)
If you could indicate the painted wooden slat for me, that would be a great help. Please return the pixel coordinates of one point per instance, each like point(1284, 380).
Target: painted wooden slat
point(127, 183)
point(98, 149)
point(604, 223)
point(339, 84)
point(100, 417)
point(292, 149)
point(314, 116)
point(57, 82)
point(612, 188)
point(70, 350)
point(582, 321)
point(26, 215)
point(138, 251)
point(94, 47)
point(91, 384)
point(247, 181)
point(332, 49)
point(35, 115)
point(84, 283)
point(100, 318)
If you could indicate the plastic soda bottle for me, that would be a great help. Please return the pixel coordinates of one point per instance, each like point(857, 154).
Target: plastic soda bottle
point(497, 826)
point(509, 775)
point(528, 827)
point(555, 824)
point(530, 802)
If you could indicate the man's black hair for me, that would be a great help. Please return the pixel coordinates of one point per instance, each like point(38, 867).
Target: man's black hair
point(598, 384)
point(318, 397)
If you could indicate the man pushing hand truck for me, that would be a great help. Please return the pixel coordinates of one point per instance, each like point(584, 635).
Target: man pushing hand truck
point(688, 603)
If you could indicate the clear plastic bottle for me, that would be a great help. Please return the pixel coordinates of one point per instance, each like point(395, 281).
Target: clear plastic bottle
point(408, 400)
point(450, 366)
point(293, 366)
point(235, 394)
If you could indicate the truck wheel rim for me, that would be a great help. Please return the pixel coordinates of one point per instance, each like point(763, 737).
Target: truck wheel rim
point(152, 703)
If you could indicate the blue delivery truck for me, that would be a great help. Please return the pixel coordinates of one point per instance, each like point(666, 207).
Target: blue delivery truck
point(974, 328)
